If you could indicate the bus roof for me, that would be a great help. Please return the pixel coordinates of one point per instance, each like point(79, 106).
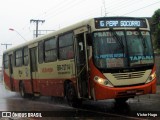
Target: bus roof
point(52, 34)
point(62, 31)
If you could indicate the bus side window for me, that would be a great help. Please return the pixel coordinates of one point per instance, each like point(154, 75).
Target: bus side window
point(25, 56)
point(5, 61)
point(18, 58)
point(66, 46)
point(50, 47)
point(40, 52)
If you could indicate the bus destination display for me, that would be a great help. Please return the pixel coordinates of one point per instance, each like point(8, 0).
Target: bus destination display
point(120, 22)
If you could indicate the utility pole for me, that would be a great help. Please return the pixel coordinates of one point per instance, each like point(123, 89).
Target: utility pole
point(37, 21)
point(6, 45)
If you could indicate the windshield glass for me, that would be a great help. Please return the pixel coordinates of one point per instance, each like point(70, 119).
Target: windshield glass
point(122, 49)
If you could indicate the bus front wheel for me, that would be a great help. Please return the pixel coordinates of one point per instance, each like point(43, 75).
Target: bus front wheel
point(71, 96)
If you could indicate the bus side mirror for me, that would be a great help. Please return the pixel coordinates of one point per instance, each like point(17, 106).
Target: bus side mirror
point(89, 39)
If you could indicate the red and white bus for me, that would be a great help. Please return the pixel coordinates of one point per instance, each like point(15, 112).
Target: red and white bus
point(96, 59)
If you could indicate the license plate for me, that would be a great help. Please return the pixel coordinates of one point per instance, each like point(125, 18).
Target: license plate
point(131, 91)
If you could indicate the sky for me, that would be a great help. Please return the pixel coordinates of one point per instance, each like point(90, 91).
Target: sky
point(16, 14)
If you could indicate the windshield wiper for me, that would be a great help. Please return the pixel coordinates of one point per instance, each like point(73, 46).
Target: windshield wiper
point(141, 36)
point(118, 38)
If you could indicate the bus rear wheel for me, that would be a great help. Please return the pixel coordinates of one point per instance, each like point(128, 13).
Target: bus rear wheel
point(71, 96)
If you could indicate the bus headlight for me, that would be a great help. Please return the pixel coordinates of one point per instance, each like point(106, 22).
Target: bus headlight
point(103, 81)
point(151, 77)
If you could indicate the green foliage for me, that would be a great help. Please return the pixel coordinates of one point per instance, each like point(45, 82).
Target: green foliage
point(155, 27)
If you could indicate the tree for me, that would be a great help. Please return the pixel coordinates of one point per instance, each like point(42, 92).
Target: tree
point(155, 27)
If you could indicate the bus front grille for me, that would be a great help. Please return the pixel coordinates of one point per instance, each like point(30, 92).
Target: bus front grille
point(129, 75)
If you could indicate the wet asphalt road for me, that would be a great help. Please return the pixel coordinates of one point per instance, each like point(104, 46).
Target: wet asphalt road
point(143, 107)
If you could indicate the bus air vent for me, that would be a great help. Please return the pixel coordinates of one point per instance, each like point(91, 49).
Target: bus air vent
point(129, 75)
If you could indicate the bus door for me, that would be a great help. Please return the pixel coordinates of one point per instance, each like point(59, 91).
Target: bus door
point(11, 71)
point(81, 65)
point(33, 68)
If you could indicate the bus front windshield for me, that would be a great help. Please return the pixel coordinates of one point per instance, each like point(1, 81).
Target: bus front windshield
point(122, 49)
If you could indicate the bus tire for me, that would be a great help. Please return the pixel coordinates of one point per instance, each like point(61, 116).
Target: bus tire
point(22, 90)
point(71, 96)
point(121, 100)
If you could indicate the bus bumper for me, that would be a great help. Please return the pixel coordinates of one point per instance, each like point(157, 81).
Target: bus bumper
point(103, 92)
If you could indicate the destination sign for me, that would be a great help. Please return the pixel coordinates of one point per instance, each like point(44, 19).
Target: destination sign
point(120, 22)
